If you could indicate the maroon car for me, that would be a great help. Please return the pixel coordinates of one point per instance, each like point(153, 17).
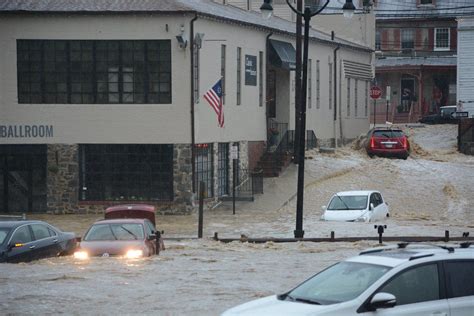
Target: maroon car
point(128, 230)
point(388, 142)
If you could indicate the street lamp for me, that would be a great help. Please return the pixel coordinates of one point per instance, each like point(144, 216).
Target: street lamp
point(307, 14)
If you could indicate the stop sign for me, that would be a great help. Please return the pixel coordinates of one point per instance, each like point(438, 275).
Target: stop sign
point(375, 92)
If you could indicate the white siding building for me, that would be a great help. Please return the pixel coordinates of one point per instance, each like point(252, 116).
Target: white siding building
point(465, 77)
point(102, 102)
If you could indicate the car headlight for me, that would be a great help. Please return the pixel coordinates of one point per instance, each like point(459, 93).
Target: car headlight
point(81, 255)
point(134, 253)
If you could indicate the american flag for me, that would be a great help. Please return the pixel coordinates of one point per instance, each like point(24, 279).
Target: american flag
point(214, 97)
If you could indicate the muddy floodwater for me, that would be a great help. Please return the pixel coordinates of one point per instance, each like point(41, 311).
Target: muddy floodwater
point(428, 193)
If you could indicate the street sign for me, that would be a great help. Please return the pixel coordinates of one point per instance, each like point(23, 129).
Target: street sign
point(375, 92)
point(460, 114)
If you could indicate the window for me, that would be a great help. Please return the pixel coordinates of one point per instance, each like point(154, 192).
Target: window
point(94, 72)
point(204, 168)
point(239, 74)
point(416, 285)
point(40, 231)
point(408, 39)
point(318, 86)
point(378, 45)
point(460, 275)
point(348, 97)
point(442, 39)
point(366, 103)
point(260, 79)
point(196, 75)
point(309, 83)
point(21, 236)
point(126, 172)
point(223, 50)
point(330, 85)
point(426, 1)
point(356, 96)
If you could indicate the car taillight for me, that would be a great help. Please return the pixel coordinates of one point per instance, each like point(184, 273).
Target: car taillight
point(404, 143)
point(372, 142)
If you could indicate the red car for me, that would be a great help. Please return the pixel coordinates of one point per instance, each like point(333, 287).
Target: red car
point(387, 142)
point(127, 230)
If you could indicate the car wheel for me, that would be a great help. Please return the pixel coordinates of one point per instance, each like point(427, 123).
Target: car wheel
point(371, 155)
point(388, 215)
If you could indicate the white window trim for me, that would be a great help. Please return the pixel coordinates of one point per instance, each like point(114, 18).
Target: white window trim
point(449, 39)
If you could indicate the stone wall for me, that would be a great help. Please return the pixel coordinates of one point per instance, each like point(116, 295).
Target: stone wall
point(182, 181)
point(62, 178)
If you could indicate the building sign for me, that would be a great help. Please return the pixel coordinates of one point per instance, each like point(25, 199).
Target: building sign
point(26, 131)
point(250, 70)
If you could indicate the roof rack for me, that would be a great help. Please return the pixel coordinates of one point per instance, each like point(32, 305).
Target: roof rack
point(404, 245)
point(21, 217)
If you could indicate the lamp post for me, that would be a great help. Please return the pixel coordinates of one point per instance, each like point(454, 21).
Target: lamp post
point(307, 14)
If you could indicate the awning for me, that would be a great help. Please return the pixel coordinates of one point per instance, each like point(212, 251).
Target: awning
point(282, 55)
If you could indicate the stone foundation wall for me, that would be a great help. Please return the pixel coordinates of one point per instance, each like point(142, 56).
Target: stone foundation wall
point(62, 173)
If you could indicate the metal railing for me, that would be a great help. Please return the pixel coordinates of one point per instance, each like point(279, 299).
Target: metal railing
point(248, 185)
point(275, 134)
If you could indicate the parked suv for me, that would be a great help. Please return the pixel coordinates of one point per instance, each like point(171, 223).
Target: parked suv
point(388, 142)
point(397, 280)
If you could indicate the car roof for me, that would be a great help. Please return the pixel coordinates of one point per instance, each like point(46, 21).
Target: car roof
point(358, 192)
point(13, 224)
point(448, 107)
point(121, 220)
point(392, 257)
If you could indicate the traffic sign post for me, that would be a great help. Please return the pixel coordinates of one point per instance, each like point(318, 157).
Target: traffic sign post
point(375, 93)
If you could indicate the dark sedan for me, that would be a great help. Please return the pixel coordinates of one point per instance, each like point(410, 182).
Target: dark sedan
point(22, 241)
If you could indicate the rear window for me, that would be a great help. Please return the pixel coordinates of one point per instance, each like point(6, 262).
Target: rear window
point(460, 278)
point(388, 133)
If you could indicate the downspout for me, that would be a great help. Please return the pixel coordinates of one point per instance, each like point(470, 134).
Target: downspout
point(193, 133)
point(335, 90)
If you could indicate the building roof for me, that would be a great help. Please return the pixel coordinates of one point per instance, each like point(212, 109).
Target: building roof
point(408, 9)
point(206, 8)
point(416, 61)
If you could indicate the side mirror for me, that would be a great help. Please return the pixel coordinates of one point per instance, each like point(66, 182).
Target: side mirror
point(383, 300)
point(323, 207)
point(152, 237)
point(17, 245)
point(371, 206)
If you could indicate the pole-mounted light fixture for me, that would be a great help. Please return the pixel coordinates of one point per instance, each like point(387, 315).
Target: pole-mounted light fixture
point(266, 9)
point(348, 9)
point(307, 14)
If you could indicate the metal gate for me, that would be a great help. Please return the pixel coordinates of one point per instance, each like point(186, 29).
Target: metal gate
point(223, 169)
point(23, 178)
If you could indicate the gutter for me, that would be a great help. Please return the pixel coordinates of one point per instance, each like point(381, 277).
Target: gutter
point(193, 131)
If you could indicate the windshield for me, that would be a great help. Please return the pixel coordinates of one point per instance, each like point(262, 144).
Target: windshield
point(128, 231)
point(3, 234)
point(348, 202)
point(341, 282)
point(388, 133)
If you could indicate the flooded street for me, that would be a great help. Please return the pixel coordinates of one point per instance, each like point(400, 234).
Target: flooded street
point(428, 193)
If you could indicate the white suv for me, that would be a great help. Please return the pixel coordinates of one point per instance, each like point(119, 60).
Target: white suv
point(396, 280)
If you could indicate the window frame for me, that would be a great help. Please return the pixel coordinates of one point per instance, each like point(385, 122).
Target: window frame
point(449, 292)
point(16, 229)
point(435, 40)
point(407, 38)
point(94, 71)
point(239, 76)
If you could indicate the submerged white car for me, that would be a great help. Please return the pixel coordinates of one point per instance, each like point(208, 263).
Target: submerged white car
point(387, 281)
point(356, 206)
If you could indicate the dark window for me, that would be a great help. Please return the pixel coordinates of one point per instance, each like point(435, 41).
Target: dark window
point(21, 236)
point(260, 79)
point(420, 284)
point(239, 75)
point(126, 172)
point(223, 169)
point(460, 276)
point(40, 231)
point(378, 44)
point(408, 39)
point(204, 168)
point(309, 83)
point(89, 72)
point(388, 133)
point(223, 51)
point(426, 1)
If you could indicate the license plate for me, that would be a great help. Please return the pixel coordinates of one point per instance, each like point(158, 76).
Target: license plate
point(388, 145)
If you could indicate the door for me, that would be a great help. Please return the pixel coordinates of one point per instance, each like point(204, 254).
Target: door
point(23, 178)
point(22, 252)
point(417, 291)
point(223, 169)
point(460, 276)
point(46, 243)
point(407, 94)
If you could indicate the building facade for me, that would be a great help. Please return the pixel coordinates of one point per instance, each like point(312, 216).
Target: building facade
point(102, 103)
point(416, 49)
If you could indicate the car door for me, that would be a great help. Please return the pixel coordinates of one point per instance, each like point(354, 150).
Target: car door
point(418, 291)
point(46, 245)
point(381, 208)
point(375, 210)
point(21, 244)
point(460, 285)
point(150, 230)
